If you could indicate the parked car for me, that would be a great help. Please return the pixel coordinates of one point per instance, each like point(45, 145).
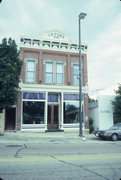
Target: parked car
point(113, 133)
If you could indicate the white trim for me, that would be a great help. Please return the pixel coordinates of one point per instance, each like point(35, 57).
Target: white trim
point(49, 88)
point(54, 40)
point(55, 61)
point(74, 125)
point(74, 63)
point(30, 59)
point(61, 113)
point(21, 110)
point(27, 60)
point(46, 111)
point(62, 110)
point(38, 100)
point(51, 49)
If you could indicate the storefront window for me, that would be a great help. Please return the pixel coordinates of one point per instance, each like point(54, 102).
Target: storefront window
point(71, 112)
point(33, 112)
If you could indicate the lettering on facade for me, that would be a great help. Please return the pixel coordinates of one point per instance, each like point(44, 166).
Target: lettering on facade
point(56, 35)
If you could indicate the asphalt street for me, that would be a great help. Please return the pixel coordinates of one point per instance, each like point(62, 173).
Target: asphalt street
point(33, 156)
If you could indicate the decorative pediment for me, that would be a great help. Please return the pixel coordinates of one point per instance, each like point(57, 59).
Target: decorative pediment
point(54, 40)
point(55, 34)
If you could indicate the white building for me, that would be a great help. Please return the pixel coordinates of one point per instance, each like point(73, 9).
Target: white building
point(101, 112)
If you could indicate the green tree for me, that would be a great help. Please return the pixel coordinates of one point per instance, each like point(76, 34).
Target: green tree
point(117, 104)
point(10, 69)
point(91, 100)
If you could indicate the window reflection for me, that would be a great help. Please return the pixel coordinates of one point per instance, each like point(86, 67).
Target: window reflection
point(33, 112)
point(71, 112)
point(76, 74)
point(30, 71)
point(49, 73)
point(54, 73)
point(59, 74)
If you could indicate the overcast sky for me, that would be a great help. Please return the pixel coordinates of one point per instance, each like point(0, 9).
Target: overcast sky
point(101, 30)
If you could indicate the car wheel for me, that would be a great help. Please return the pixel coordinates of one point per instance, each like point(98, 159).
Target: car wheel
point(114, 137)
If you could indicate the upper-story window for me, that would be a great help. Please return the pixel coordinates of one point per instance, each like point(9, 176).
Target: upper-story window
point(76, 74)
point(49, 73)
point(30, 71)
point(54, 73)
point(59, 73)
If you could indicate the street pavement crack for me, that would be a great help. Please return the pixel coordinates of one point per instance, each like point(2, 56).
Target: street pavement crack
point(18, 151)
point(114, 172)
point(72, 164)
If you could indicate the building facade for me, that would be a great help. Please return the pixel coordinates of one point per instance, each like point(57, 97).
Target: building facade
point(49, 87)
point(101, 111)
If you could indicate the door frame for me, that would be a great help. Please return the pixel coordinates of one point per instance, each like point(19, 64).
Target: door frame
point(52, 124)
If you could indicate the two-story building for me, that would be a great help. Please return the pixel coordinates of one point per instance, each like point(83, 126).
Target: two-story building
point(49, 88)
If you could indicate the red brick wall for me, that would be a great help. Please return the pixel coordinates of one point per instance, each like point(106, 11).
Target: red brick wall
point(19, 111)
point(41, 55)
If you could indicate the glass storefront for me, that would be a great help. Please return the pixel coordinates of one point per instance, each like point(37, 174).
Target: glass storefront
point(33, 112)
point(39, 110)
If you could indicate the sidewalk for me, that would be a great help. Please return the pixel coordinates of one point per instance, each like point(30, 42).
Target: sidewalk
point(37, 137)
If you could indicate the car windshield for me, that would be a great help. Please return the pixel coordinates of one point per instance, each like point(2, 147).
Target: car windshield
point(114, 128)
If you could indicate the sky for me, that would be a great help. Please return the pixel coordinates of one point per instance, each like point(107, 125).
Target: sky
point(101, 30)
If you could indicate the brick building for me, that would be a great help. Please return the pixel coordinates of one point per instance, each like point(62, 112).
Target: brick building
point(49, 94)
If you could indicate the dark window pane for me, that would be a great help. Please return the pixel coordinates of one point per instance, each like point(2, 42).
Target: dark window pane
point(33, 112)
point(71, 112)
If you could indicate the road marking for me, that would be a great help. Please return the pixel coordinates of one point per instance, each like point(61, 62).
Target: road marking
point(62, 158)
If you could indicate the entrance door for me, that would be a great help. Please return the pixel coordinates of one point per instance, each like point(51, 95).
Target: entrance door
point(52, 116)
point(10, 116)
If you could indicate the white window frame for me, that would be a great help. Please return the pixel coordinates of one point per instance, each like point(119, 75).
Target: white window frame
point(50, 72)
point(62, 74)
point(54, 69)
point(34, 72)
